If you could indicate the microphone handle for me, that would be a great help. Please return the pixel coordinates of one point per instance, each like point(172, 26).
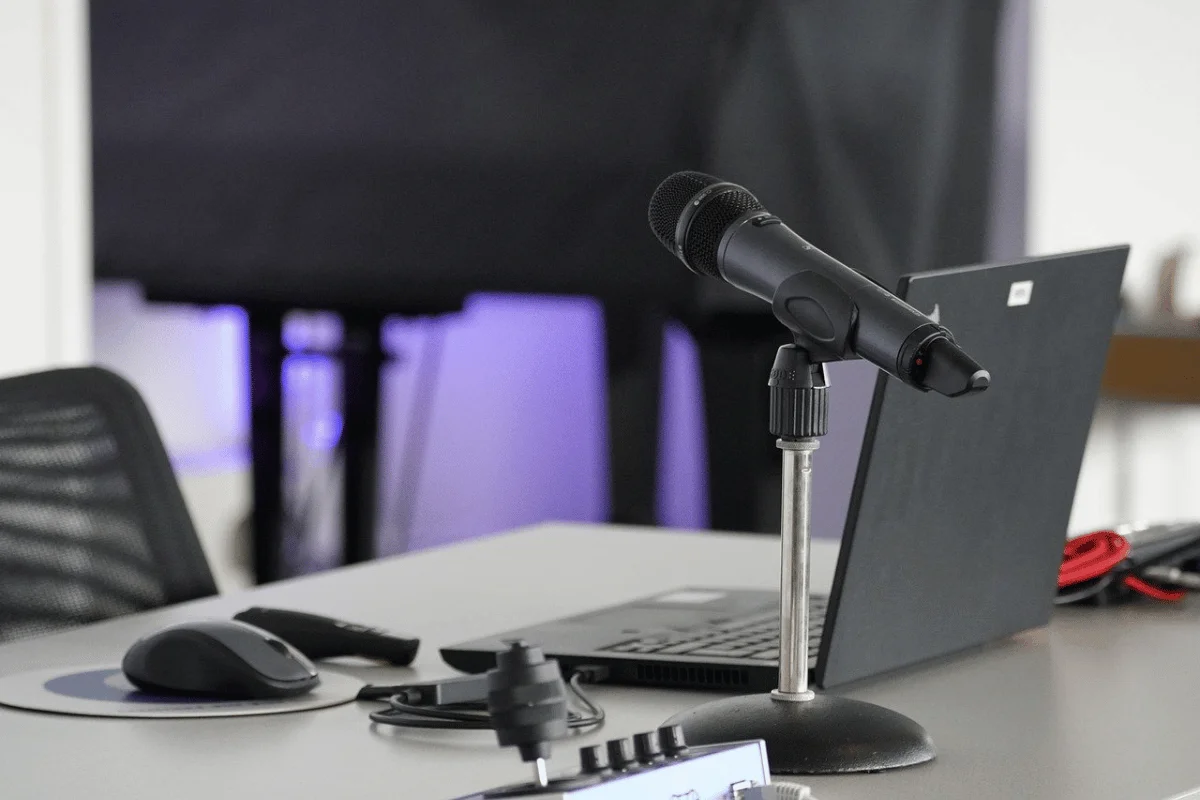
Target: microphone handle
point(834, 311)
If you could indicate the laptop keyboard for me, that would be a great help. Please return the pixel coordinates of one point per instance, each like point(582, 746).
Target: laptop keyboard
point(755, 638)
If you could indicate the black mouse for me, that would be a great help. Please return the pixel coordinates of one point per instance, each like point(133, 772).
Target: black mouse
point(218, 658)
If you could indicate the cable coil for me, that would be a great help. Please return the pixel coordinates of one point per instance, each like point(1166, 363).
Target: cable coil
point(1087, 569)
point(403, 713)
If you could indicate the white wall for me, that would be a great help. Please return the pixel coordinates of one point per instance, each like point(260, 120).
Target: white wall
point(45, 185)
point(1115, 157)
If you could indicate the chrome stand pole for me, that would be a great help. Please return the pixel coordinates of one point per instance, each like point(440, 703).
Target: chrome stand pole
point(795, 534)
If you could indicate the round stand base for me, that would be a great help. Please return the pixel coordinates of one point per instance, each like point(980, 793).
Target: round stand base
point(827, 734)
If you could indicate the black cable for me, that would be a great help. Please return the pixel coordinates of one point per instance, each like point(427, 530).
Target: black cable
point(464, 717)
point(474, 716)
point(598, 715)
point(1083, 591)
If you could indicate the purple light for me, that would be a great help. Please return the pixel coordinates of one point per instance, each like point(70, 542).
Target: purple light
point(323, 432)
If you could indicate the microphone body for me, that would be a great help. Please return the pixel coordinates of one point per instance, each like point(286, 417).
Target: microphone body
point(834, 312)
point(760, 255)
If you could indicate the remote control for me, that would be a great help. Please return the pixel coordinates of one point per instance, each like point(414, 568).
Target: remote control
point(323, 637)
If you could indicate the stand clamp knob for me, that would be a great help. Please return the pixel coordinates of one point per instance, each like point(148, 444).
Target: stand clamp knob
point(799, 395)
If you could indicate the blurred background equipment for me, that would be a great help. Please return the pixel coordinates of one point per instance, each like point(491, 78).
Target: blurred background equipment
point(395, 159)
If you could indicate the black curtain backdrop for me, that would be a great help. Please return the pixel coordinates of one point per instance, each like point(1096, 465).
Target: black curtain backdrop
point(395, 155)
point(383, 154)
point(868, 125)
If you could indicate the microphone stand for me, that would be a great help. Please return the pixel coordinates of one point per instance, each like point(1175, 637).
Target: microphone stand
point(806, 733)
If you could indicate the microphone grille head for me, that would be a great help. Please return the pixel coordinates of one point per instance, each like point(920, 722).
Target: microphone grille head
point(699, 249)
point(709, 225)
point(670, 199)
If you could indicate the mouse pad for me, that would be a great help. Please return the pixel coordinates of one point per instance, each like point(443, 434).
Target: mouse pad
point(102, 691)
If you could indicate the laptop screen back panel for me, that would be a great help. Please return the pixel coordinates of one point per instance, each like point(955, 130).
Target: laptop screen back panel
point(960, 508)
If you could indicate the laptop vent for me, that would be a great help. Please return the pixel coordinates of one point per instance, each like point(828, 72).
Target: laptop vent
point(685, 677)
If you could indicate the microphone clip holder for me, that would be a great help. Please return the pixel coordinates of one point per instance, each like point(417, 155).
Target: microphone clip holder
point(806, 733)
point(819, 313)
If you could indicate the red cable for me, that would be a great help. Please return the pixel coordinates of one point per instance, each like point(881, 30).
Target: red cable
point(1139, 585)
point(1094, 554)
point(1090, 556)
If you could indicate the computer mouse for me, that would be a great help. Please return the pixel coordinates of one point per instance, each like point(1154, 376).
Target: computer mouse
point(218, 658)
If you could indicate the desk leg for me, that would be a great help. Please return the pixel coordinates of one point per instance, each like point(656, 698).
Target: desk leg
point(362, 359)
point(743, 478)
point(266, 440)
point(633, 340)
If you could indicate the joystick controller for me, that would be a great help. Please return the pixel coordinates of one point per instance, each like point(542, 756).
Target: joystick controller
point(528, 704)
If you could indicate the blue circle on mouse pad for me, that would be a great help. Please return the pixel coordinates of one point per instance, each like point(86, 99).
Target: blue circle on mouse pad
point(97, 684)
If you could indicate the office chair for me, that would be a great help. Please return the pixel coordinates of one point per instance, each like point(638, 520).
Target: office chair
point(92, 522)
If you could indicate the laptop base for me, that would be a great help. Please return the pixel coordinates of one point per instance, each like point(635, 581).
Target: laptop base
point(822, 736)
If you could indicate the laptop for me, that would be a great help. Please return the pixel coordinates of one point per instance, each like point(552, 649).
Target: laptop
point(955, 518)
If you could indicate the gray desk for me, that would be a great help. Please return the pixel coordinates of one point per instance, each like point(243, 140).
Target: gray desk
point(1102, 704)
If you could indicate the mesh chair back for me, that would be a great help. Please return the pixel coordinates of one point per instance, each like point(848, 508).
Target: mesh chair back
point(92, 522)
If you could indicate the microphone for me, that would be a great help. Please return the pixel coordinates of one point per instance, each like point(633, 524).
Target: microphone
point(720, 230)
